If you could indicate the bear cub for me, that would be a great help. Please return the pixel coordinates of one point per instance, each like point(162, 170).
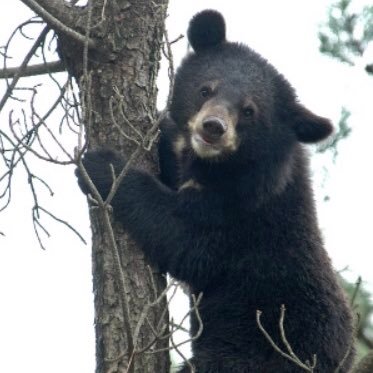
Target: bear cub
point(232, 214)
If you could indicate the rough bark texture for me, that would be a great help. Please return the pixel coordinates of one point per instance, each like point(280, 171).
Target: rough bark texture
point(122, 71)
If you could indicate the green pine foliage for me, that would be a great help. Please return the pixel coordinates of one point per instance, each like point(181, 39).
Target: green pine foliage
point(341, 133)
point(362, 304)
point(346, 34)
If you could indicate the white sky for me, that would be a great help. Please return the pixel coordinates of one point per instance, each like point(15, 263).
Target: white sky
point(46, 312)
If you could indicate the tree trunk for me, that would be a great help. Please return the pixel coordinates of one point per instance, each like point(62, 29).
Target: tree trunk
point(116, 73)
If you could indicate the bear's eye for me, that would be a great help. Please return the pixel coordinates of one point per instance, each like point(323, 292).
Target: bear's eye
point(248, 112)
point(205, 92)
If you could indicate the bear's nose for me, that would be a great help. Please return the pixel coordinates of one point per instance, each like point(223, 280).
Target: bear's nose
point(213, 128)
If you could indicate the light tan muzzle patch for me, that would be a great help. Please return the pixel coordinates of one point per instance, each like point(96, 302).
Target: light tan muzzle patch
point(226, 143)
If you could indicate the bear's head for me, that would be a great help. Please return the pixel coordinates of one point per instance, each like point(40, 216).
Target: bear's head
point(228, 101)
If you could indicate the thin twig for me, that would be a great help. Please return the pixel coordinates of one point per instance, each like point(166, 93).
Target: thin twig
point(23, 65)
point(356, 325)
point(356, 291)
point(283, 334)
point(196, 303)
point(57, 24)
point(292, 357)
point(171, 70)
point(177, 350)
point(64, 222)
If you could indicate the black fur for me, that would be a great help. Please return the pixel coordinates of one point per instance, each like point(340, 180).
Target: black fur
point(239, 226)
point(206, 29)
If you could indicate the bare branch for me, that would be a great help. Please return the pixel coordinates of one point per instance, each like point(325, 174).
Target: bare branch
point(57, 15)
point(283, 334)
point(26, 60)
point(157, 301)
point(187, 362)
point(290, 355)
point(64, 222)
point(171, 69)
point(59, 9)
point(358, 332)
point(195, 310)
point(33, 70)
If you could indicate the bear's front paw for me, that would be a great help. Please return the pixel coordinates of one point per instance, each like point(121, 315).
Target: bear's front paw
point(99, 165)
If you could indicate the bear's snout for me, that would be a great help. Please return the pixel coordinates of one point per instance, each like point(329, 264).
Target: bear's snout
point(213, 128)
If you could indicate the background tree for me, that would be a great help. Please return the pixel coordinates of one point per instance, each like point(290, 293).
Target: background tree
point(346, 36)
point(111, 51)
point(362, 305)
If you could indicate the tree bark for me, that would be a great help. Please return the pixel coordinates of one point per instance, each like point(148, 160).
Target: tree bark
point(116, 73)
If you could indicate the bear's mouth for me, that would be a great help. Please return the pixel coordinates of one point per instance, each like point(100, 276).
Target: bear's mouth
point(205, 140)
point(204, 147)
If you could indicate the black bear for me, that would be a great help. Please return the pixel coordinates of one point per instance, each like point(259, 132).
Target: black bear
point(233, 215)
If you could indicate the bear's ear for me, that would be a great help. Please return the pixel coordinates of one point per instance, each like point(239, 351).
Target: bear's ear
point(309, 127)
point(206, 29)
